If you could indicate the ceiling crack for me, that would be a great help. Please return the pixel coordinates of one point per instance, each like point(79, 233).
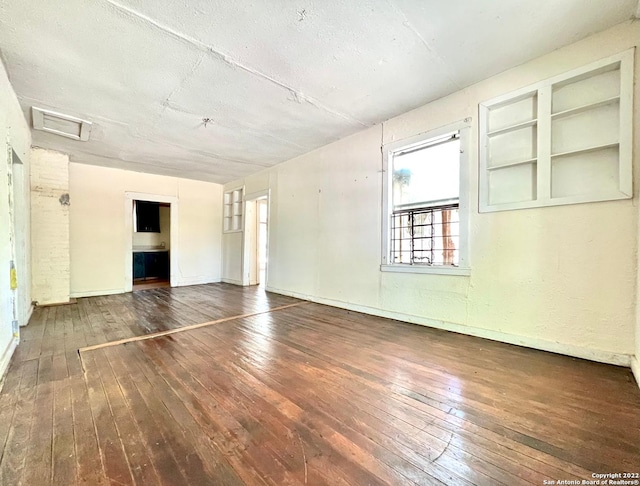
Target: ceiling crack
point(298, 96)
point(428, 46)
point(167, 101)
point(183, 81)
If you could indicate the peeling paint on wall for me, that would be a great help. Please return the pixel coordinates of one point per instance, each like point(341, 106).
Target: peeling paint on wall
point(51, 266)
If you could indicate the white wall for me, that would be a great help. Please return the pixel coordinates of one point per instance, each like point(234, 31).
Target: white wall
point(14, 132)
point(49, 227)
point(559, 278)
point(98, 236)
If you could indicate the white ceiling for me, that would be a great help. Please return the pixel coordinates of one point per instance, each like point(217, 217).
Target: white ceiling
point(278, 78)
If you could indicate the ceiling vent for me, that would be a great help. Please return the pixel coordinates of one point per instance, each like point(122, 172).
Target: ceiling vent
point(63, 125)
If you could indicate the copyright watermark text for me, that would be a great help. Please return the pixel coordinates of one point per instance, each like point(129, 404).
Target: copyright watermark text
point(599, 479)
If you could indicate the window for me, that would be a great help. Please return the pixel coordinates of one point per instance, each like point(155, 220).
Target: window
point(233, 210)
point(565, 140)
point(426, 203)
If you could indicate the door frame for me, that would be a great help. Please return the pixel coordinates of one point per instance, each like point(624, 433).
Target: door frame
point(250, 235)
point(129, 197)
point(20, 217)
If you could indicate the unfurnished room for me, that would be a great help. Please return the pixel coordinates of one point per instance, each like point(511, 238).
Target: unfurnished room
point(377, 242)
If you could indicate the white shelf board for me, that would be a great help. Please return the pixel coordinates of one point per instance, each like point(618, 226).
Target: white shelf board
point(582, 199)
point(513, 164)
point(589, 106)
point(528, 123)
point(586, 150)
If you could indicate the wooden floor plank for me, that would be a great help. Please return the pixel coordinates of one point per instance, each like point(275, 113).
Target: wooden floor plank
point(89, 463)
point(236, 430)
point(182, 429)
point(135, 447)
point(8, 404)
point(271, 395)
point(514, 425)
point(40, 442)
point(112, 452)
point(159, 446)
point(14, 457)
point(337, 406)
point(306, 395)
point(63, 447)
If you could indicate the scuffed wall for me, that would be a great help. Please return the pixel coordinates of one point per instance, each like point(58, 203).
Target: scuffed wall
point(560, 278)
point(15, 304)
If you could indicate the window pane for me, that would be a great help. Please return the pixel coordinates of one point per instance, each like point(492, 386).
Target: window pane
point(427, 175)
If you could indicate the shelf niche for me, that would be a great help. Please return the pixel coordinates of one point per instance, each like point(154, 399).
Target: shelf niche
point(565, 140)
point(232, 211)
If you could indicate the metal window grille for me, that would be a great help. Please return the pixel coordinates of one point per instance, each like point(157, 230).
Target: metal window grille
point(426, 236)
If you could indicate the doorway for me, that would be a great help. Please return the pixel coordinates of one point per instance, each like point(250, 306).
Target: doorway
point(261, 256)
point(151, 244)
point(16, 311)
point(19, 213)
point(255, 255)
point(151, 223)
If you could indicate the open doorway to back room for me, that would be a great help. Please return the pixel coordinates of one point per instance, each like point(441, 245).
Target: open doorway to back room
point(261, 256)
point(256, 236)
point(151, 244)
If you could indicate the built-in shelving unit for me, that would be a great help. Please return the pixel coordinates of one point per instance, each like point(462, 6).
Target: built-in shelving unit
point(511, 141)
point(562, 141)
point(233, 201)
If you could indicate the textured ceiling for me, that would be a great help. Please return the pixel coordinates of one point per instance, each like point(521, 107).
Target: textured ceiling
point(277, 78)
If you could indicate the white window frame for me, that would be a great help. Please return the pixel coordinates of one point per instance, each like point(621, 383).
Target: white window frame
point(544, 155)
point(388, 151)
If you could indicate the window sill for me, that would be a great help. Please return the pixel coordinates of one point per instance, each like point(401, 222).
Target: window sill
point(436, 270)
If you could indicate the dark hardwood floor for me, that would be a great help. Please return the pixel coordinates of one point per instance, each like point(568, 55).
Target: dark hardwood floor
point(307, 394)
point(143, 284)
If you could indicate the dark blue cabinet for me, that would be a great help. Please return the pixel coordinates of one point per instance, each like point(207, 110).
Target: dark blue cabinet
point(138, 266)
point(151, 264)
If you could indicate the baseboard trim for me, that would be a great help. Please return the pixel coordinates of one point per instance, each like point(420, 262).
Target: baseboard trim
point(527, 342)
point(29, 314)
point(6, 359)
point(96, 293)
point(185, 282)
point(635, 368)
point(56, 304)
point(236, 282)
point(181, 283)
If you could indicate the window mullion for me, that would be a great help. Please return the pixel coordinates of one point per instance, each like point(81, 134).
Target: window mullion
point(543, 169)
point(412, 240)
point(433, 236)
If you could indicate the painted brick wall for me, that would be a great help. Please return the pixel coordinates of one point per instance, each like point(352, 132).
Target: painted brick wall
point(50, 271)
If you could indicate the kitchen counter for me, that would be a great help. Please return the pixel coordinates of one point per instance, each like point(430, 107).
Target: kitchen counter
point(145, 249)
